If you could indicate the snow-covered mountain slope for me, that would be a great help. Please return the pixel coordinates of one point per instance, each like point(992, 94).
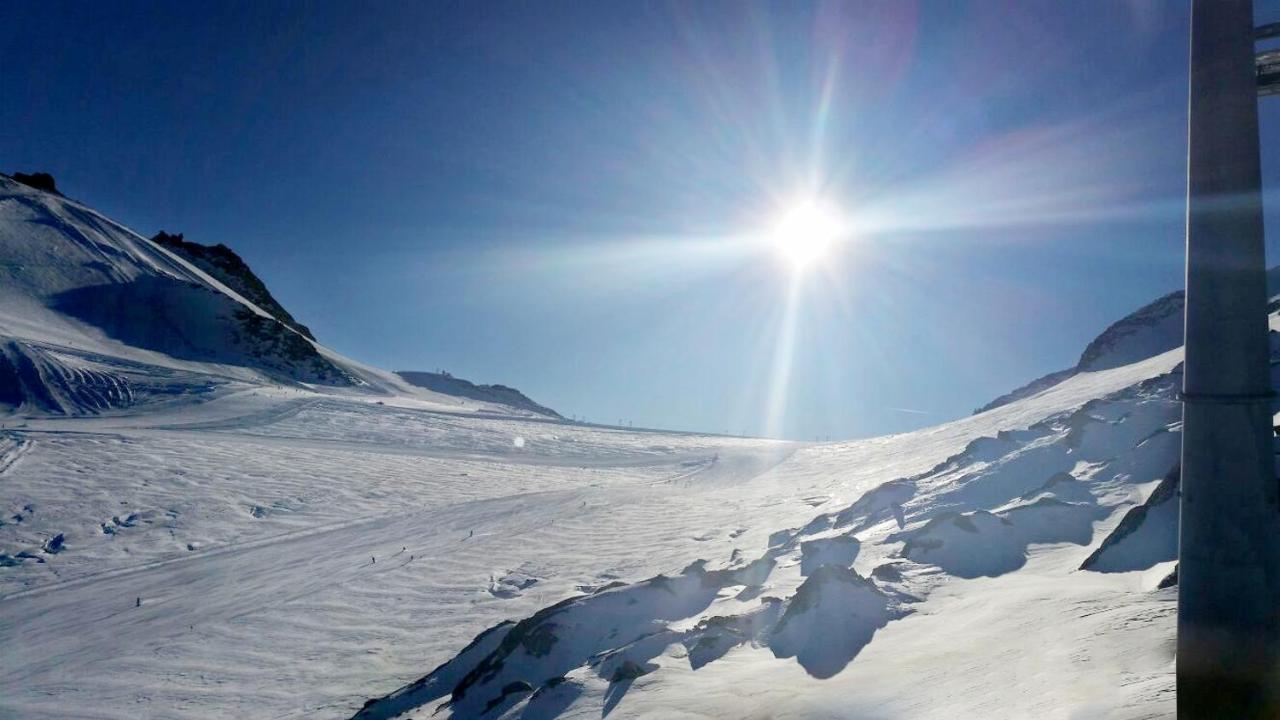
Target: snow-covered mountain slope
point(81, 288)
point(443, 382)
point(290, 552)
point(1146, 332)
point(1029, 573)
point(780, 627)
point(94, 318)
point(249, 526)
point(233, 547)
point(224, 264)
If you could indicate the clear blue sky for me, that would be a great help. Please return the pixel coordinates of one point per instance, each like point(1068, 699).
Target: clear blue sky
point(561, 196)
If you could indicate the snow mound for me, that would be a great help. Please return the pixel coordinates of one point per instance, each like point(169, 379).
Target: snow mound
point(839, 551)
point(1146, 536)
point(832, 616)
point(983, 543)
point(623, 632)
point(615, 630)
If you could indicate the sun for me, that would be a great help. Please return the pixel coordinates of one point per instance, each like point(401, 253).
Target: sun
point(806, 232)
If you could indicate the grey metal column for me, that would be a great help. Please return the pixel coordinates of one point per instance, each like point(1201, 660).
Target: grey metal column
point(1229, 558)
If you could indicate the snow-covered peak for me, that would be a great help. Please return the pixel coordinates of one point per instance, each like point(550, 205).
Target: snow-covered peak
point(443, 382)
point(51, 244)
point(1151, 330)
point(1148, 331)
point(96, 318)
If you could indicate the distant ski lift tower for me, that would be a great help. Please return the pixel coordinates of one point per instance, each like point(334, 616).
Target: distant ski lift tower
point(1228, 662)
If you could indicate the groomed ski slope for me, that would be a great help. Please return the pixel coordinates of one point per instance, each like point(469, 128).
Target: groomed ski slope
point(299, 553)
point(204, 515)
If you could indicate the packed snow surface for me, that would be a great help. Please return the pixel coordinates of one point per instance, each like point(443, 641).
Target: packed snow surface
point(277, 552)
point(207, 514)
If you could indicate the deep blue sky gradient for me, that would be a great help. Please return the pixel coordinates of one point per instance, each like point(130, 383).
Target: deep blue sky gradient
point(560, 196)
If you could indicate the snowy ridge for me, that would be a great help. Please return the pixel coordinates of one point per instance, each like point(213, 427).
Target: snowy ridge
point(638, 573)
point(91, 314)
point(184, 536)
point(820, 592)
point(224, 264)
point(1149, 330)
point(447, 384)
point(78, 280)
point(1146, 332)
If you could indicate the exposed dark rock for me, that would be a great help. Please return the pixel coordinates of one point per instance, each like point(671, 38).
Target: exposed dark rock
point(517, 687)
point(539, 641)
point(39, 181)
point(267, 339)
point(888, 572)
point(629, 670)
point(192, 321)
point(229, 269)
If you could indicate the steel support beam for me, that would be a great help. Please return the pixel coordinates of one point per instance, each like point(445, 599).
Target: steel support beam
point(1229, 546)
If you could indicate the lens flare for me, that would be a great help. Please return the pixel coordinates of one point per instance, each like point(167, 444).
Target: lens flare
point(806, 232)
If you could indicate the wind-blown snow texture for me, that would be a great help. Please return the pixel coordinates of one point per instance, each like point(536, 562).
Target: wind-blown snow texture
point(214, 537)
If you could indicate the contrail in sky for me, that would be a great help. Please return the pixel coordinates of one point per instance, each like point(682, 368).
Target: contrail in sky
point(909, 410)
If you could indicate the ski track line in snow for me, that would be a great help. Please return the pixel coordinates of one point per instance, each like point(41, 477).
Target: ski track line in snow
point(268, 416)
point(259, 582)
point(186, 588)
point(13, 446)
point(176, 593)
point(277, 540)
point(763, 463)
point(620, 460)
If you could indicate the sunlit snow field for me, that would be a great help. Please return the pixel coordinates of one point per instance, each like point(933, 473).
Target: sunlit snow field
point(295, 554)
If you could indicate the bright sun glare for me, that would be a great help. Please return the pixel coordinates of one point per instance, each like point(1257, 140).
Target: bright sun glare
point(806, 232)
